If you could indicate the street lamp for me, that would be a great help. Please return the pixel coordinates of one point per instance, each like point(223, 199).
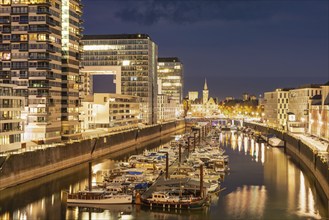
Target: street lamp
point(303, 122)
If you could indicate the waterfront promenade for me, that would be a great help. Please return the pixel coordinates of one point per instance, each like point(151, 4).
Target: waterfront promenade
point(36, 161)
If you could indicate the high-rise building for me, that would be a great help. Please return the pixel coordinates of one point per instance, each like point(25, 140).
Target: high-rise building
point(71, 80)
point(137, 56)
point(170, 74)
point(39, 53)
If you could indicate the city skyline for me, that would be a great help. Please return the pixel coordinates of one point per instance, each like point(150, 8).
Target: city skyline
point(242, 46)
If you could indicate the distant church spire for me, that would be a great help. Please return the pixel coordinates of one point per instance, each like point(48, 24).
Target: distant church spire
point(205, 92)
point(205, 87)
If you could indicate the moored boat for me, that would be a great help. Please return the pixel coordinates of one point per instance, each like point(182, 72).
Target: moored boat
point(275, 142)
point(98, 197)
point(165, 200)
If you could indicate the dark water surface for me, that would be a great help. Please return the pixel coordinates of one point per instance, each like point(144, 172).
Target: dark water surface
point(263, 184)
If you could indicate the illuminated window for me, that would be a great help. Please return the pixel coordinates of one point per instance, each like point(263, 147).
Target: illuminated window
point(23, 37)
point(6, 56)
point(5, 2)
point(42, 37)
point(33, 36)
point(52, 38)
point(125, 62)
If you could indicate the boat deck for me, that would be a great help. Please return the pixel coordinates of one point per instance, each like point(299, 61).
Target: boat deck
point(162, 178)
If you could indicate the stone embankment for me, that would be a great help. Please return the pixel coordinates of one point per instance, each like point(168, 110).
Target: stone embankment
point(308, 156)
point(29, 165)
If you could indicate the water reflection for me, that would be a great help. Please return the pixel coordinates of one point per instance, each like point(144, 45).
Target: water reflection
point(284, 183)
point(247, 202)
point(306, 203)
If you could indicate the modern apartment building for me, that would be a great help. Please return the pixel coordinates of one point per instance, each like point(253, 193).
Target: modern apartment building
point(11, 122)
point(40, 54)
point(170, 75)
point(137, 56)
point(110, 112)
point(299, 103)
point(276, 106)
point(167, 108)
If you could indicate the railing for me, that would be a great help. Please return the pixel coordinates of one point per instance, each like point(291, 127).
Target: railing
point(10, 106)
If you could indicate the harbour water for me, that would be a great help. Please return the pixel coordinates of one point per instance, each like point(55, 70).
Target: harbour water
point(263, 183)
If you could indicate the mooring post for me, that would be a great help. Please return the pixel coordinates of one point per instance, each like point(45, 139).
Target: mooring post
point(90, 176)
point(199, 135)
point(188, 146)
point(167, 165)
point(180, 154)
point(201, 180)
point(194, 140)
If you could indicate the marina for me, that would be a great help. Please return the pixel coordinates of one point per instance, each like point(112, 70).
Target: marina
point(175, 176)
point(250, 176)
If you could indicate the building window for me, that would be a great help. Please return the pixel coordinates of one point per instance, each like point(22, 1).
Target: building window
point(33, 36)
point(23, 37)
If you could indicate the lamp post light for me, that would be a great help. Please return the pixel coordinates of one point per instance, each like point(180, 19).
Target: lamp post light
point(303, 122)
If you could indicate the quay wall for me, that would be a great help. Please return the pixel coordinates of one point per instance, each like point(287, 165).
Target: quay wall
point(304, 154)
point(29, 165)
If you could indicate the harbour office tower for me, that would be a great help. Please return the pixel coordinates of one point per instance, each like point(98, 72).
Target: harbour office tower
point(137, 56)
point(40, 52)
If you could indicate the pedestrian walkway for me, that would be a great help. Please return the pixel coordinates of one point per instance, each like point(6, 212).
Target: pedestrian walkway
point(321, 146)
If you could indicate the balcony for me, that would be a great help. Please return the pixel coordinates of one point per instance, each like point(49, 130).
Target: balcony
point(43, 67)
point(10, 106)
point(43, 10)
point(8, 131)
point(39, 29)
point(39, 85)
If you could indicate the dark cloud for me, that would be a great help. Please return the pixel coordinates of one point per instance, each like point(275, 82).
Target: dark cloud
point(150, 12)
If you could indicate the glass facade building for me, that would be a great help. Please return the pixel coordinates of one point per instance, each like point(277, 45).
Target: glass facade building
point(170, 75)
point(137, 55)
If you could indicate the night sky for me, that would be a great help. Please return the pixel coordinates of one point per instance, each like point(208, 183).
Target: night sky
point(238, 45)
